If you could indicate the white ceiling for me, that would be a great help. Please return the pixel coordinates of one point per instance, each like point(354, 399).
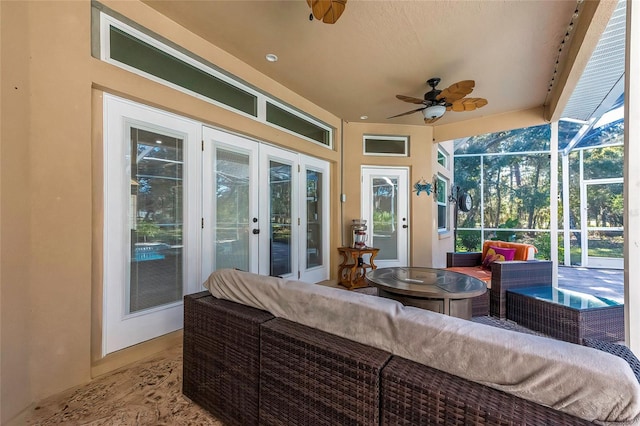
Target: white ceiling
point(378, 49)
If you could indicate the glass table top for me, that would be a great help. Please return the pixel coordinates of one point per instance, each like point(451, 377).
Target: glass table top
point(572, 299)
point(425, 281)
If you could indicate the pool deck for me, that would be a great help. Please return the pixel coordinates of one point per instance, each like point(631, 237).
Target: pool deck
point(607, 283)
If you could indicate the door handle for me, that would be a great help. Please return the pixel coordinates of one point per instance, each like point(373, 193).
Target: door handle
point(405, 226)
point(256, 231)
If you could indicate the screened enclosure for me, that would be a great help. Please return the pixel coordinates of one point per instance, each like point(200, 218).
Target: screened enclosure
point(508, 175)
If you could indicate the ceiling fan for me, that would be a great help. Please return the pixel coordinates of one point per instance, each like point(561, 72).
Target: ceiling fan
point(326, 10)
point(437, 102)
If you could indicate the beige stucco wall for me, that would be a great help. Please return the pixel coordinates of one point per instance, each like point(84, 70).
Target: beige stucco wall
point(422, 209)
point(50, 181)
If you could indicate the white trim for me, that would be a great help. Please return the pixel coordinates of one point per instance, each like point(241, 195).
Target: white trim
point(446, 155)
point(267, 154)
point(445, 203)
point(322, 271)
point(403, 206)
point(366, 137)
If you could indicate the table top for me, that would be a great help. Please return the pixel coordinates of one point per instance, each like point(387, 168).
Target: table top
point(565, 297)
point(426, 282)
point(358, 249)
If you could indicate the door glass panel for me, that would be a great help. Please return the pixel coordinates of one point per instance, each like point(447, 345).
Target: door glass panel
point(155, 212)
point(232, 210)
point(385, 209)
point(314, 218)
point(280, 217)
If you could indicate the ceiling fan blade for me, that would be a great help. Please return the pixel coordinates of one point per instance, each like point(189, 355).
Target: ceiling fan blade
point(467, 104)
point(335, 11)
point(410, 99)
point(319, 8)
point(457, 90)
point(406, 113)
point(431, 120)
point(327, 10)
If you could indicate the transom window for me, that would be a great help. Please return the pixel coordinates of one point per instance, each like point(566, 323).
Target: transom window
point(139, 52)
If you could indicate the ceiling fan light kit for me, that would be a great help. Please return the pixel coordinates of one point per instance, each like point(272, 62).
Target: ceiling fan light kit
point(437, 102)
point(434, 111)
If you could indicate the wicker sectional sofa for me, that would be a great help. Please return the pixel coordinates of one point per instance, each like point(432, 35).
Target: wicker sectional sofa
point(251, 366)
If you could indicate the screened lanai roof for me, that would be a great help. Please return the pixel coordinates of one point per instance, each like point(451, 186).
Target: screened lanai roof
point(595, 110)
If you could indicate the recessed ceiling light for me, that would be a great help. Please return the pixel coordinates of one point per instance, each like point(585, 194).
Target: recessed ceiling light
point(159, 141)
point(364, 117)
point(271, 57)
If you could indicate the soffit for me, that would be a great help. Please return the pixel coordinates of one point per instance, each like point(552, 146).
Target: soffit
point(379, 49)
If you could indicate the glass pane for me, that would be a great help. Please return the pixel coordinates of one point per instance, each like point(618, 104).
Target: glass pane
point(516, 191)
point(385, 146)
point(156, 220)
point(232, 210)
point(299, 125)
point(140, 55)
point(441, 190)
point(314, 219)
point(385, 210)
point(442, 217)
point(442, 159)
point(280, 214)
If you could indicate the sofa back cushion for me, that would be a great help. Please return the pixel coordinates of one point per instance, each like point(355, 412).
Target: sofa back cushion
point(581, 381)
point(522, 251)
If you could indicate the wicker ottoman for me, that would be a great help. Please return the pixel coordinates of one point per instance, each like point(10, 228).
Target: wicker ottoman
point(565, 314)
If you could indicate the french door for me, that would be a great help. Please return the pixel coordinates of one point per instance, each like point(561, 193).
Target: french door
point(384, 205)
point(150, 238)
point(265, 209)
point(182, 200)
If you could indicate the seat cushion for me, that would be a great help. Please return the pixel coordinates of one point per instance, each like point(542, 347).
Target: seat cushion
point(475, 272)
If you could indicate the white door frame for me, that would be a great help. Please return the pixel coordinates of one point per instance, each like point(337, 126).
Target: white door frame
point(212, 140)
point(122, 329)
point(402, 219)
point(593, 261)
point(320, 272)
point(268, 153)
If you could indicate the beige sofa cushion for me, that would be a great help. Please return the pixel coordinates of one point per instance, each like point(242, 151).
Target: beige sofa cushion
point(581, 381)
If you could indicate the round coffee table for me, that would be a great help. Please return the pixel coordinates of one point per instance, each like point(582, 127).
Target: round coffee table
point(437, 290)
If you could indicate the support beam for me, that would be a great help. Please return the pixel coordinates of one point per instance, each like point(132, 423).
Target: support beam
point(566, 210)
point(553, 201)
point(632, 180)
point(594, 17)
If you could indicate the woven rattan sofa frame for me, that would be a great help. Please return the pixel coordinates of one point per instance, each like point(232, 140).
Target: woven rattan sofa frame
point(504, 276)
point(248, 368)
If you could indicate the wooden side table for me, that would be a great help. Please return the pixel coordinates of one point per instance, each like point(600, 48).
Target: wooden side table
point(353, 267)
